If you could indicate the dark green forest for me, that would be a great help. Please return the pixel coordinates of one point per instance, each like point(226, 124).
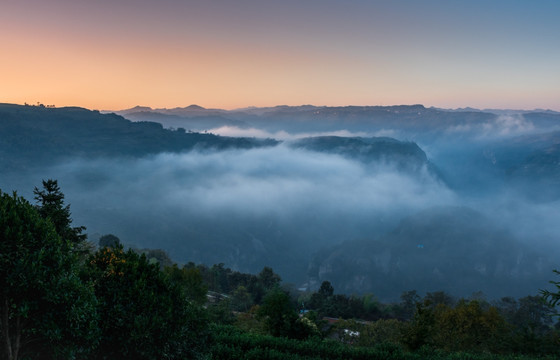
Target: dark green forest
point(37, 135)
point(63, 297)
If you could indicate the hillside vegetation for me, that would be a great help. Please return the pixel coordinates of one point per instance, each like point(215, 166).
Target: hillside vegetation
point(64, 299)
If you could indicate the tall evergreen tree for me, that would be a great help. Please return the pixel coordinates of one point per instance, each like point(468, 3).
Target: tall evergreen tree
point(50, 205)
point(553, 297)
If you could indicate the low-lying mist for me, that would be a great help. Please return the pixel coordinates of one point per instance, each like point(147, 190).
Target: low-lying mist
point(388, 199)
point(275, 196)
point(274, 206)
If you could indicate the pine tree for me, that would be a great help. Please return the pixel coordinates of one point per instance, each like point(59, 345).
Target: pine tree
point(50, 205)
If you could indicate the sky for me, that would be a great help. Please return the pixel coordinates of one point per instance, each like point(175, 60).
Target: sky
point(116, 54)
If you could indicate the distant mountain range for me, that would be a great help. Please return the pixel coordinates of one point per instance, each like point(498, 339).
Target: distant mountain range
point(414, 122)
point(503, 111)
point(508, 145)
point(196, 109)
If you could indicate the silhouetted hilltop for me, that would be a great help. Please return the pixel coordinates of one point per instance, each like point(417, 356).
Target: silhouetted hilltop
point(415, 122)
point(194, 107)
point(193, 122)
point(41, 135)
point(404, 155)
point(135, 109)
point(187, 111)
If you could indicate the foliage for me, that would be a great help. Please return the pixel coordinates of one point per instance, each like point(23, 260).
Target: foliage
point(433, 299)
point(367, 307)
point(44, 136)
point(250, 322)
point(51, 206)
point(220, 312)
point(278, 313)
point(144, 316)
point(469, 326)
point(553, 298)
point(409, 299)
point(531, 320)
point(157, 256)
point(232, 343)
point(135, 304)
point(383, 331)
point(46, 309)
point(241, 299)
point(190, 281)
point(268, 278)
point(109, 240)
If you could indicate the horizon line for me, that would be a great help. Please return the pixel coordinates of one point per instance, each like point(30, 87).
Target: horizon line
point(252, 107)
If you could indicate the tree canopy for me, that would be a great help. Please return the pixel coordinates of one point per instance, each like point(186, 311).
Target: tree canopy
point(145, 316)
point(552, 297)
point(47, 310)
point(50, 205)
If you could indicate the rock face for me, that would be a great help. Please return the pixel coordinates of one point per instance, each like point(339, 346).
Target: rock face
point(455, 249)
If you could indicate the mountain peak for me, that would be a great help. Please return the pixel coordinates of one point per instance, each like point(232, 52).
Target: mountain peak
point(138, 108)
point(194, 107)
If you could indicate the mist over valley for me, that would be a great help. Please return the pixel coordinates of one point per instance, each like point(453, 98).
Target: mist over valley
point(373, 199)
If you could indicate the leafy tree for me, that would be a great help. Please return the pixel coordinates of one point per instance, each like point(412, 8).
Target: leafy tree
point(268, 278)
point(47, 311)
point(278, 313)
point(326, 289)
point(409, 299)
point(220, 312)
point(158, 256)
point(241, 299)
point(534, 315)
point(338, 306)
point(143, 315)
point(436, 298)
point(109, 240)
point(327, 304)
point(422, 328)
point(190, 281)
point(320, 299)
point(382, 331)
point(531, 320)
point(469, 327)
point(50, 204)
point(371, 306)
point(218, 278)
point(553, 298)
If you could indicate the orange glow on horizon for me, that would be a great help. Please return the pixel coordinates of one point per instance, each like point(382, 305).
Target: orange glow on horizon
point(111, 56)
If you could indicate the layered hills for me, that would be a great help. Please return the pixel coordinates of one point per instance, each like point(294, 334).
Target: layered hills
point(41, 135)
point(374, 199)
